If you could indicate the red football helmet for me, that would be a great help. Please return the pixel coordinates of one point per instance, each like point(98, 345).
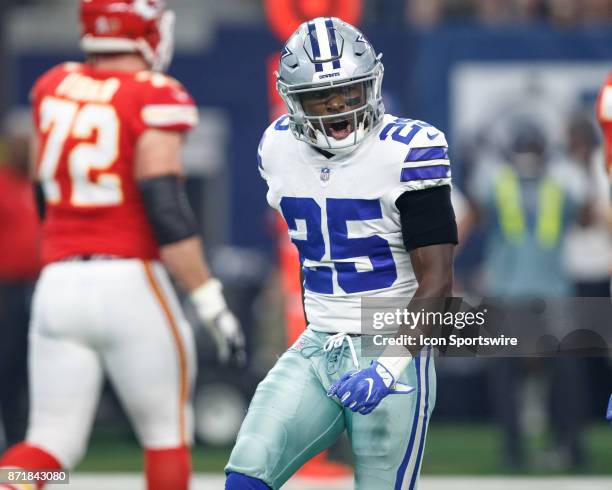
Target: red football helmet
point(117, 26)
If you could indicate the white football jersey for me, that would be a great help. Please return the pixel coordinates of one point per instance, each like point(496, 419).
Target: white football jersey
point(342, 216)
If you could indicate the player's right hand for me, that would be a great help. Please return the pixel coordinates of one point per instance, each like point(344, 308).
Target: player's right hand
point(362, 391)
point(220, 322)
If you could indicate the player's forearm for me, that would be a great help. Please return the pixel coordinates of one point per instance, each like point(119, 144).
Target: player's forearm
point(175, 228)
point(433, 267)
point(431, 295)
point(435, 286)
point(184, 260)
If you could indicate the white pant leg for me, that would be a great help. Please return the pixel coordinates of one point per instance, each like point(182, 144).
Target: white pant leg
point(151, 359)
point(65, 371)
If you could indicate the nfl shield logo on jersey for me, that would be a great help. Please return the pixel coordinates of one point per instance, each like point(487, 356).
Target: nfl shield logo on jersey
point(325, 174)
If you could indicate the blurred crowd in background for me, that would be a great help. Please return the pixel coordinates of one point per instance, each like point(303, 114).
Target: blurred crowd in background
point(423, 14)
point(496, 13)
point(555, 243)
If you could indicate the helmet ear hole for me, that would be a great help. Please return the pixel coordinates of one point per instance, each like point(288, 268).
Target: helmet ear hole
point(299, 118)
point(360, 48)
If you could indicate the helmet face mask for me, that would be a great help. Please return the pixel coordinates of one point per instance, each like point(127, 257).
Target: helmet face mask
point(320, 106)
point(335, 102)
point(164, 50)
point(129, 26)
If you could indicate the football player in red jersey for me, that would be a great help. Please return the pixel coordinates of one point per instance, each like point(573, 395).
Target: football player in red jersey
point(107, 143)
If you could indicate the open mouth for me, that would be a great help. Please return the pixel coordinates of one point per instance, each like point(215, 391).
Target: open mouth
point(340, 129)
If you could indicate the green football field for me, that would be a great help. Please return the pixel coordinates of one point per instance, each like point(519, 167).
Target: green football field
point(451, 450)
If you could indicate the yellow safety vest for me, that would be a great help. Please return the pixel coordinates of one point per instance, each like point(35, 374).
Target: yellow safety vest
point(511, 212)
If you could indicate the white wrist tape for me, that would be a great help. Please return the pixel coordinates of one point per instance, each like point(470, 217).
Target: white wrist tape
point(208, 300)
point(395, 365)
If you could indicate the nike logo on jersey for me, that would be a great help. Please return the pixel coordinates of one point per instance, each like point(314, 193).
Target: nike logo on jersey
point(432, 136)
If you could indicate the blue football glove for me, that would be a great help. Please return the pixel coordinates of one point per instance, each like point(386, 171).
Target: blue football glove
point(362, 391)
point(609, 411)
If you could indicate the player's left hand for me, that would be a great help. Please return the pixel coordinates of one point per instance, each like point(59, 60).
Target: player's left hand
point(220, 322)
point(361, 391)
point(227, 333)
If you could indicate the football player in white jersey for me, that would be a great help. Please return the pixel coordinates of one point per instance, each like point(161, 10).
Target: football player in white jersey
point(366, 197)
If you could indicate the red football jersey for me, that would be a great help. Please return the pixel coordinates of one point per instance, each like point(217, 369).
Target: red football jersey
point(604, 115)
point(88, 122)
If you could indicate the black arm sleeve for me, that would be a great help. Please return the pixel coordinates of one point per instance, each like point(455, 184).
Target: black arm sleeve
point(427, 217)
point(168, 209)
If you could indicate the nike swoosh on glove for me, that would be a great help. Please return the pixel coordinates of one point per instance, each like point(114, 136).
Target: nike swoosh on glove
point(361, 391)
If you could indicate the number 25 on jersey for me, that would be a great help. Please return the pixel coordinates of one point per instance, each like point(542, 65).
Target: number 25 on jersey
point(344, 250)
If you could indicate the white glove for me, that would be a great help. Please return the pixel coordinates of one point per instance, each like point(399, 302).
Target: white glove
point(220, 322)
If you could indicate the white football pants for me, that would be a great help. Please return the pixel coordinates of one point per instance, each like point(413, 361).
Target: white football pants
point(115, 317)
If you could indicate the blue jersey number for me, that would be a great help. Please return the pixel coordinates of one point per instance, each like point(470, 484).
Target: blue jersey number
point(396, 127)
point(342, 248)
point(312, 247)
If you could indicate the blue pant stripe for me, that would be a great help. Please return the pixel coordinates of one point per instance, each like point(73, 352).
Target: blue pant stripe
point(417, 466)
point(402, 469)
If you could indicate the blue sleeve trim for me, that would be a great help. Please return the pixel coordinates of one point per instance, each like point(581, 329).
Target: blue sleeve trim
point(280, 123)
point(425, 173)
point(425, 154)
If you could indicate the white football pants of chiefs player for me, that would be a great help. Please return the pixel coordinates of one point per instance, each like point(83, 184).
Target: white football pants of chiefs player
point(119, 317)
